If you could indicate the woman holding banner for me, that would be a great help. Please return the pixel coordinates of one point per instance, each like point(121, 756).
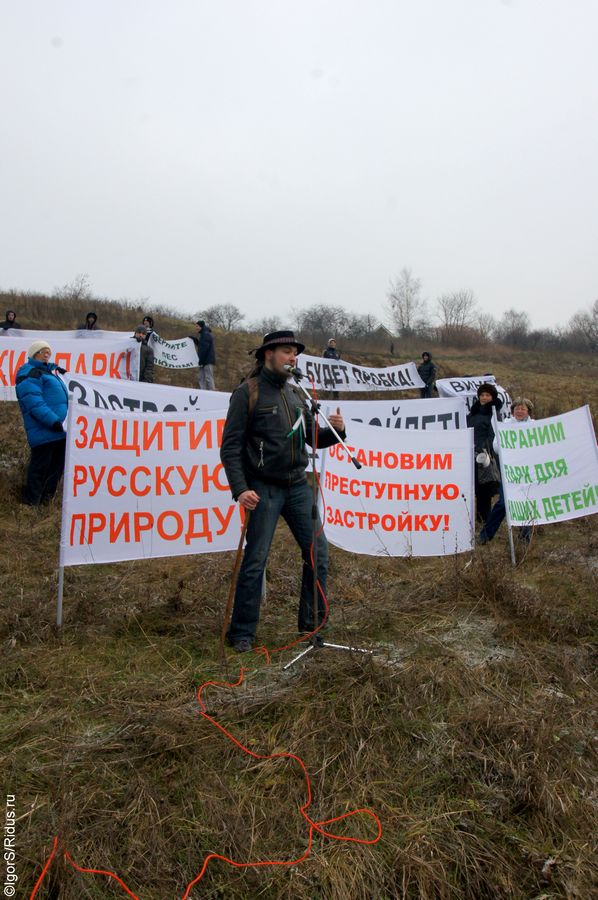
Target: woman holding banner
point(487, 473)
point(522, 410)
point(43, 399)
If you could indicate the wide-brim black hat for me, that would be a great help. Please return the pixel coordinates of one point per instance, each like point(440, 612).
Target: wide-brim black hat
point(277, 339)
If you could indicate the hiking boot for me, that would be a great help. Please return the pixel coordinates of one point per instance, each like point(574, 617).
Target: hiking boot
point(243, 645)
point(314, 638)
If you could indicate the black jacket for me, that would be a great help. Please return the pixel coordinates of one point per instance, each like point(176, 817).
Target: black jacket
point(262, 445)
point(480, 419)
point(205, 347)
point(427, 371)
point(146, 364)
point(7, 323)
point(331, 353)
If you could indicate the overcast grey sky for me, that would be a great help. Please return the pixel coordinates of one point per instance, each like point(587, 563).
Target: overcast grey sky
point(276, 154)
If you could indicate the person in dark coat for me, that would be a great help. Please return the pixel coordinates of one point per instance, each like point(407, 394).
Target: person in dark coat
point(427, 372)
point(331, 352)
point(43, 400)
point(90, 323)
point(10, 320)
point(204, 341)
point(264, 455)
point(149, 324)
point(480, 419)
point(146, 361)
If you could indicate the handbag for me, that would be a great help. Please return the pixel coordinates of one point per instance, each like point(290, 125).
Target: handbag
point(489, 473)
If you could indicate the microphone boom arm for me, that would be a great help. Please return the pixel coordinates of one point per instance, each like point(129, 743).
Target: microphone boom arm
point(297, 375)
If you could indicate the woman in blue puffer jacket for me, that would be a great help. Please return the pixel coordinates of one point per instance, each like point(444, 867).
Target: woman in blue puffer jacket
point(43, 399)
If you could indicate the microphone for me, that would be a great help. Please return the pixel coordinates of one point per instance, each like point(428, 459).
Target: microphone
point(292, 370)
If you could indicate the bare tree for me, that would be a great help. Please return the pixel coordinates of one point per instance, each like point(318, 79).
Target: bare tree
point(406, 306)
point(457, 313)
point(320, 322)
point(223, 315)
point(513, 328)
point(486, 326)
point(77, 289)
point(360, 326)
point(265, 325)
point(586, 325)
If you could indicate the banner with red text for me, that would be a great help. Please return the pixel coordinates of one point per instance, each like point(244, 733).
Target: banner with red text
point(118, 359)
point(425, 415)
point(137, 487)
point(338, 375)
point(550, 468)
point(413, 495)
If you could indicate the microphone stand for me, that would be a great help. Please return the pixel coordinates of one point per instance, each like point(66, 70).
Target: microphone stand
point(315, 641)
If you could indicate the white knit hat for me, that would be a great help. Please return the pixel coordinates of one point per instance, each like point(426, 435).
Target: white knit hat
point(36, 347)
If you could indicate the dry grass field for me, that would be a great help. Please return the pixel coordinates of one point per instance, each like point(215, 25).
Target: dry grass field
point(471, 731)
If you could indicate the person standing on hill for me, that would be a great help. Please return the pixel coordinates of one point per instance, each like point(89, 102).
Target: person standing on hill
point(427, 372)
point(206, 354)
point(522, 410)
point(146, 359)
point(264, 456)
point(90, 322)
point(331, 352)
point(149, 325)
point(10, 320)
point(43, 400)
point(487, 475)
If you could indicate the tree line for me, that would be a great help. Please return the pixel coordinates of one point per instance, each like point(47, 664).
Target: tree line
point(454, 319)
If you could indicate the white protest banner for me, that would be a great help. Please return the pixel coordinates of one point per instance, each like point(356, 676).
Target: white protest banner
point(179, 354)
point(96, 334)
point(467, 386)
point(137, 487)
point(338, 375)
point(413, 495)
point(426, 415)
point(118, 359)
point(140, 397)
point(550, 468)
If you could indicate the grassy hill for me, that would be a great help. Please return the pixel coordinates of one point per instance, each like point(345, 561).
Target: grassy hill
point(472, 732)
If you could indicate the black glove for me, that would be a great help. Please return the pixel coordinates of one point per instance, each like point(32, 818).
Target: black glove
point(60, 370)
point(56, 426)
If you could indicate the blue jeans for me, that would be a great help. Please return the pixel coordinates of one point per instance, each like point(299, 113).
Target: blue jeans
point(294, 504)
point(494, 520)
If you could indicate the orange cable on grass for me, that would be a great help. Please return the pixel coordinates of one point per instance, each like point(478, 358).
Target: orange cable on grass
point(313, 826)
point(45, 869)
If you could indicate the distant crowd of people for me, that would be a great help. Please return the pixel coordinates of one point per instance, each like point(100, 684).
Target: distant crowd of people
point(203, 340)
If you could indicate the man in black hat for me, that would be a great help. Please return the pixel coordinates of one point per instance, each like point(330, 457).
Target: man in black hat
point(264, 456)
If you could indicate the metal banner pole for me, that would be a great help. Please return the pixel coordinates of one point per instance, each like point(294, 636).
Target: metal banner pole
point(63, 522)
point(502, 478)
point(59, 599)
